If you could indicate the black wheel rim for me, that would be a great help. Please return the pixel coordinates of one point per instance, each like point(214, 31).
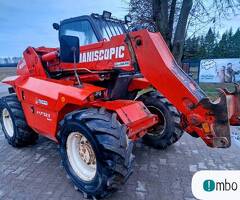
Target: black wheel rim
point(159, 128)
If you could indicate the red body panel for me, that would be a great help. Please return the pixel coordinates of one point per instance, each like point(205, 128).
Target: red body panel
point(138, 84)
point(164, 74)
point(43, 100)
point(45, 103)
point(133, 114)
point(102, 56)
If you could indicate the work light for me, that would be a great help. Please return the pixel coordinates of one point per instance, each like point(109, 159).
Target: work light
point(106, 14)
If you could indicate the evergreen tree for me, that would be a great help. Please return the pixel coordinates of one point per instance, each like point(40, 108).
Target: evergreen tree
point(191, 48)
point(209, 46)
point(230, 45)
point(222, 47)
point(210, 43)
point(236, 44)
point(202, 50)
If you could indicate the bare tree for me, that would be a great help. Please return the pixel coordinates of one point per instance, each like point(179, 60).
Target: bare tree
point(180, 33)
point(175, 18)
point(160, 16)
point(171, 20)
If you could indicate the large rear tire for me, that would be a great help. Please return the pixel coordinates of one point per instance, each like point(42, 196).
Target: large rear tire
point(168, 130)
point(14, 125)
point(103, 159)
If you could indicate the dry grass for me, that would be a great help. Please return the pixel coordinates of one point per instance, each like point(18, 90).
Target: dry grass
point(211, 88)
point(7, 71)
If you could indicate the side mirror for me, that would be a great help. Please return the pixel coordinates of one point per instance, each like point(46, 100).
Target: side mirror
point(128, 19)
point(56, 26)
point(69, 49)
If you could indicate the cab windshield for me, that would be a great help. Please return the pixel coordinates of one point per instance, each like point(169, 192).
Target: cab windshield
point(81, 29)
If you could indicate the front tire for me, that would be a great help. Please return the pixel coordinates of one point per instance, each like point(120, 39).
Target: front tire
point(105, 161)
point(14, 125)
point(168, 130)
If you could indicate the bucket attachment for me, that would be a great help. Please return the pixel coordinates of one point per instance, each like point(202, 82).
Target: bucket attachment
point(222, 113)
point(217, 115)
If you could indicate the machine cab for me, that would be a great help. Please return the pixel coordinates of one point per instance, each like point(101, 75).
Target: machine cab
point(92, 29)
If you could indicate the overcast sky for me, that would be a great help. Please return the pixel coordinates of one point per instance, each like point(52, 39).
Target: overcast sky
point(29, 22)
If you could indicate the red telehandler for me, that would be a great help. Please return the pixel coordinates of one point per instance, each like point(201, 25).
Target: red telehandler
point(103, 89)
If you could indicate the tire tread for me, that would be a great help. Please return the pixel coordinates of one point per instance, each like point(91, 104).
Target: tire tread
point(117, 157)
point(153, 97)
point(24, 134)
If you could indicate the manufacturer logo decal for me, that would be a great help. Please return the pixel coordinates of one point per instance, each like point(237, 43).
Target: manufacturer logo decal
point(104, 54)
point(122, 64)
point(42, 102)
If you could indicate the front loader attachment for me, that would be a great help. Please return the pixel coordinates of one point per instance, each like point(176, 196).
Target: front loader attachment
point(225, 112)
point(200, 116)
point(216, 129)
